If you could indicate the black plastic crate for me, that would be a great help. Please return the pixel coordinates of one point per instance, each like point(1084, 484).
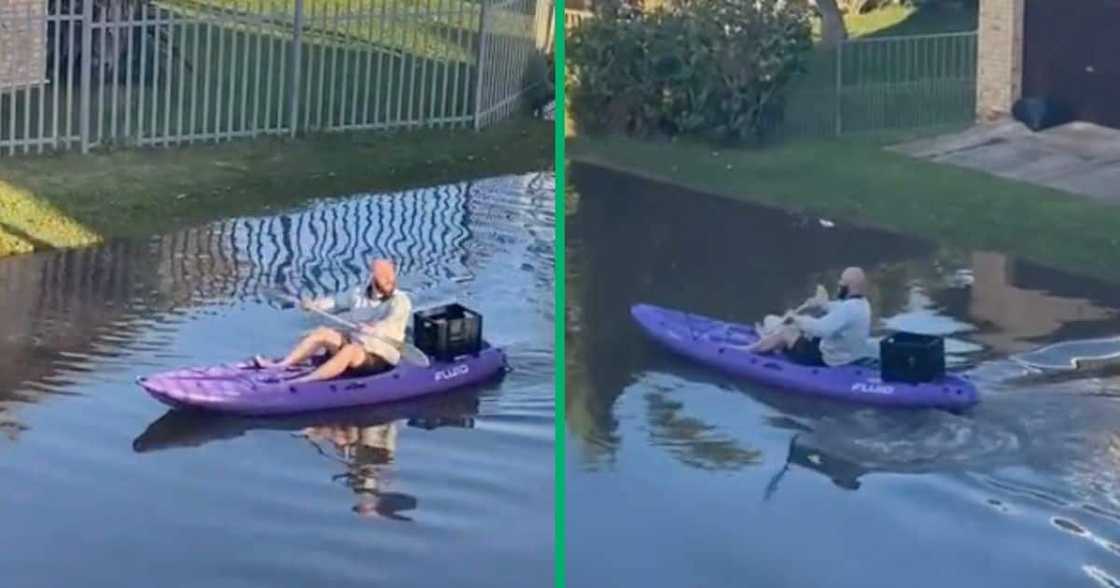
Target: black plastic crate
point(447, 332)
point(912, 358)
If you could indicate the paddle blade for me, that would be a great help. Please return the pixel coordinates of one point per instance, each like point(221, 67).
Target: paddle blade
point(1096, 363)
point(1073, 355)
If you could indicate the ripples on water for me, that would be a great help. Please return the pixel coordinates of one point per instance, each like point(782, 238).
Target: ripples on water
point(726, 479)
point(106, 487)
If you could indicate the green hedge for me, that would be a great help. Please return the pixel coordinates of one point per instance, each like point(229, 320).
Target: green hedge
point(718, 69)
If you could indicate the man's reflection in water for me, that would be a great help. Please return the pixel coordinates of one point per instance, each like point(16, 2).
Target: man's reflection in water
point(368, 452)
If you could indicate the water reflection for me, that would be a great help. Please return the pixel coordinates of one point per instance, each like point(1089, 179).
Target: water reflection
point(77, 327)
point(634, 241)
point(1036, 448)
point(706, 256)
point(65, 311)
point(691, 440)
point(362, 442)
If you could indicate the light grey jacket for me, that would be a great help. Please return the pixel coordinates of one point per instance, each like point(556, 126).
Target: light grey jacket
point(386, 318)
point(844, 331)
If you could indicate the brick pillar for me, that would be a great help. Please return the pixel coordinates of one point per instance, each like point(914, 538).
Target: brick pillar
point(999, 76)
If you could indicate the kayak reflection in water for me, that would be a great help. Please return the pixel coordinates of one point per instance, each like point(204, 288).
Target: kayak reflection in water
point(368, 352)
point(839, 337)
point(365, 451)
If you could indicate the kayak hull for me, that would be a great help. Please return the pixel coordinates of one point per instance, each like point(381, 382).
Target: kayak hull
point(241, 388)
point(720, 345)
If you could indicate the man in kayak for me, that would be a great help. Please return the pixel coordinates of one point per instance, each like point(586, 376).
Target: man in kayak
point(373, 349)
point(838, 338)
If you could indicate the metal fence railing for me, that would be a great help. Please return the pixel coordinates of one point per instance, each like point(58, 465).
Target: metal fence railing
point(504, 55)
point(885, 83)
point(185, 71)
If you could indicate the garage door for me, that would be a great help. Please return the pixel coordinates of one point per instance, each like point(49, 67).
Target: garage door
point(1071, 53)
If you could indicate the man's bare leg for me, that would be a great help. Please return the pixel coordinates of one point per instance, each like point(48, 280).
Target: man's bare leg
point(780, 340)
point(350, 356)
point(319, 339)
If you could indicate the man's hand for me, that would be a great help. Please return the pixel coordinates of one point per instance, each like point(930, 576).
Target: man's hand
point(819, 299)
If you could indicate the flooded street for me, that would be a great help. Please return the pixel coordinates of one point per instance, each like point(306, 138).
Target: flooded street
point(108, 487)
point(687, 477)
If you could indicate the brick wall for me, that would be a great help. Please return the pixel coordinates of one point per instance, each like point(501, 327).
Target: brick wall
point(1000, 69)
point(23, 56)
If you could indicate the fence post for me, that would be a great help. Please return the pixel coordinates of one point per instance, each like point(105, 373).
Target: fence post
point(839, 122)
point(479, 70)
point(297, 62)
point(87, 75)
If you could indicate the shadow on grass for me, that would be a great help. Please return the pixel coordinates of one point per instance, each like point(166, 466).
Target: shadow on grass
point(70, 200)
point(24, 236)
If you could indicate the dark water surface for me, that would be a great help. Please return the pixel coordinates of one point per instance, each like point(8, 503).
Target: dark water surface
point(104, 487)
point(679, 476)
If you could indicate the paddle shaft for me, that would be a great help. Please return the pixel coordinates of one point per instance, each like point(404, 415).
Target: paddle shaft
point(340, 320)
point(797, 310)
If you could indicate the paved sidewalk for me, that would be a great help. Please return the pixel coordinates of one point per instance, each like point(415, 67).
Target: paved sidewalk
point(1081, 158)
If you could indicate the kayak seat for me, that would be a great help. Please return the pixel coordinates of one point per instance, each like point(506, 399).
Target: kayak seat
point(367, 370)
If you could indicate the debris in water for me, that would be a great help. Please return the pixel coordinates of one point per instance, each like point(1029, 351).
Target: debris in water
point(826, 223)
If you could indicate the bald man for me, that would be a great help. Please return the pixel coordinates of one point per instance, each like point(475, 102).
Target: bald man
point(839, 337)
point(373, 349)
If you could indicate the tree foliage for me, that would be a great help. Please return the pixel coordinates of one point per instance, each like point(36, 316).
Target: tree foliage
point(712, 68)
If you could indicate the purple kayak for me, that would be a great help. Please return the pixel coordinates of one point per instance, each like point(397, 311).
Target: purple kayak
point(719, 344)
point(242, 388)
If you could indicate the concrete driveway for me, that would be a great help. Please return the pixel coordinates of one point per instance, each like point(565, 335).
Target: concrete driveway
point(1081, 158)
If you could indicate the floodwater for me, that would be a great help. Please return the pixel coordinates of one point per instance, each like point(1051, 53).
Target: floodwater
point(103, 486)
point(679, 476)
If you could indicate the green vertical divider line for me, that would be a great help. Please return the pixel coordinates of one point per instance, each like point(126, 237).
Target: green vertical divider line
point(561, 312)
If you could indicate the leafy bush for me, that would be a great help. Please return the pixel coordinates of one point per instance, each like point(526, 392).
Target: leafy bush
point(712, 68)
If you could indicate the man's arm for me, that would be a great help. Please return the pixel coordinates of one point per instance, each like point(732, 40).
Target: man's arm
point(826, 326)
point(335, 303)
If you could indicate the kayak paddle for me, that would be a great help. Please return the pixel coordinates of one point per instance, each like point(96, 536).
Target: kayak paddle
point(1084, 354)
point(409, 352)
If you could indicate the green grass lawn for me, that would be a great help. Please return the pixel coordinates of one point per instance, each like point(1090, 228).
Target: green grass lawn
point(71, 200)
point(856, 180)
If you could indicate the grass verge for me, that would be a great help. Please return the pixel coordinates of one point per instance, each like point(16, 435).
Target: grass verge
point(73, 200)
point(857, 181)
